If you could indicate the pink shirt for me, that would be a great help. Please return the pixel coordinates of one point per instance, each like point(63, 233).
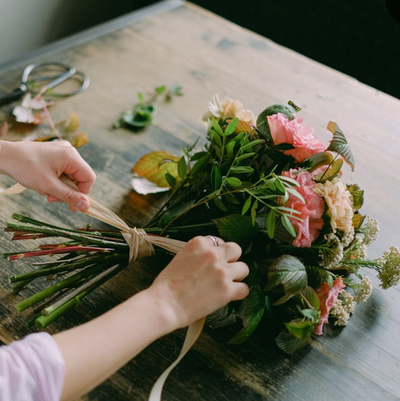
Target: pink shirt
point(31, 369)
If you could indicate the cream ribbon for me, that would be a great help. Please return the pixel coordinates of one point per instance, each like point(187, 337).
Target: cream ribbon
point(141, 245)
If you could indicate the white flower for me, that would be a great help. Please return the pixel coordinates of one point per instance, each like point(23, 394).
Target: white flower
point(228, 108)
point(348, 236)
point(370, 230)
point(342, 308)
point(365, 290)
point(390, 267)
point(339, 201)
point(332, 254)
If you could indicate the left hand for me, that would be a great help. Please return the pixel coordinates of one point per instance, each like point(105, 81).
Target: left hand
point(39, 165)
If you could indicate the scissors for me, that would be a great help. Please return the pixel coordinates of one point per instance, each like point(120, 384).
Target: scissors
point(42, 78)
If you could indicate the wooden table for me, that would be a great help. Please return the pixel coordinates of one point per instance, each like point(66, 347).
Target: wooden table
point(179, 42)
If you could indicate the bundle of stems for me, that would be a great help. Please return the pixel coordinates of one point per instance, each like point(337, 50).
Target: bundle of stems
point(88, 259)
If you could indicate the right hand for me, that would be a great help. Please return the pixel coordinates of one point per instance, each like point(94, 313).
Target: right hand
point(201, 279)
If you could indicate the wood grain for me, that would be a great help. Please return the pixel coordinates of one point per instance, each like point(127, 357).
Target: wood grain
point(208, 55)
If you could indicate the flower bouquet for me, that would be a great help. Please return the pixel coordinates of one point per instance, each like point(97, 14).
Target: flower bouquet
point(268, 184)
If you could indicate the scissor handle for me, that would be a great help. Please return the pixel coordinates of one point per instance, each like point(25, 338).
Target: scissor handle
point(14, 95)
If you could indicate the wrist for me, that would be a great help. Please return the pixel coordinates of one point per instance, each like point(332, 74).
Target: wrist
point(162, 310)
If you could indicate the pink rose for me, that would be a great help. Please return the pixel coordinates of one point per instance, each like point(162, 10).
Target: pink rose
point(327, 297)
point(310, 212)
point(297, 134)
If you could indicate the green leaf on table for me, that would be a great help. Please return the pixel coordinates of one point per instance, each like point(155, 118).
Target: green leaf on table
point(287, 274)
point(236, 228)
point(357, 195)
point(251, 311)
point(339, 144)
point(155, 165)
point(288, 343)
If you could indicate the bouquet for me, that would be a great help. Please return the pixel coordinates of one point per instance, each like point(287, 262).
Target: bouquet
point(268, 184)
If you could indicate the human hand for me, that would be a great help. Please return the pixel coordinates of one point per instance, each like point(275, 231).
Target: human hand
point(200, 279)
point(39, 166)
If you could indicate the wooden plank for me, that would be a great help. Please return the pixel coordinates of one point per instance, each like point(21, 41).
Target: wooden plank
point(208, 55)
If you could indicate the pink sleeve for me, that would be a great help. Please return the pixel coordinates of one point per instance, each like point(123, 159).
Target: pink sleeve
point(31, 369)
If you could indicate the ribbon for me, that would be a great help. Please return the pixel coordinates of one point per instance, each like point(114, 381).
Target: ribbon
point(140, 245)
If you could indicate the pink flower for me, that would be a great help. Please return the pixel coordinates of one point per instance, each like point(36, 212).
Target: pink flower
point(310, 212)
point(327, 297)
point(297, 134)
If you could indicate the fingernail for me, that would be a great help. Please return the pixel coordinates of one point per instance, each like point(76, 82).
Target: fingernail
point(82, 205)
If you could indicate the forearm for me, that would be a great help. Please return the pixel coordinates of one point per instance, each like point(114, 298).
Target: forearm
point(95, 350)
point(6, 156)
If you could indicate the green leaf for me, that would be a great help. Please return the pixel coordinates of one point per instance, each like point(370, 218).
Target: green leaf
point(357, 194)
point(182, 167)
point(170, 179)
point(245, 156)
point(242, 169)
point(289, 343)
point(229, 148)
point(251, 144)
point(216, 177)
point(331, 172)
point(160, 89)
point(312, 314)
point(236, 228)
point(287, 274)
point(230, 129)
point(339, 144)
point(288, 225)
point(200, 164)
point(217, 138)
point(253, 212)
point(220, 205)
point(251, 311)
point(284, 146)
point(300, 328)
point(217, 126)
point(271, 221)
point(246, 205)
point(319, 159)
point(262, 120)
point(311, 296)
point(173, 212)
point(234, 182)
point(222, 317)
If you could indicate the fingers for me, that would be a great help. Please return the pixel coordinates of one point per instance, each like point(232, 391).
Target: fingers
point(58, 191)
point(238, 271)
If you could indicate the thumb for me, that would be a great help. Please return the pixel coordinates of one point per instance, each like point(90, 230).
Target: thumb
point(75, 199)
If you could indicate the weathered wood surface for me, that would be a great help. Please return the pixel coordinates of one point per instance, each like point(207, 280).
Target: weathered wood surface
point(208, 55)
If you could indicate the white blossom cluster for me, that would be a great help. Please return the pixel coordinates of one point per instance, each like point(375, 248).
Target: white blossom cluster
point(364, 290)
point(342, 308)
point(360, 252)
point(348, 237)
point(332, 257)
point(370, 230)
point(389, 272)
